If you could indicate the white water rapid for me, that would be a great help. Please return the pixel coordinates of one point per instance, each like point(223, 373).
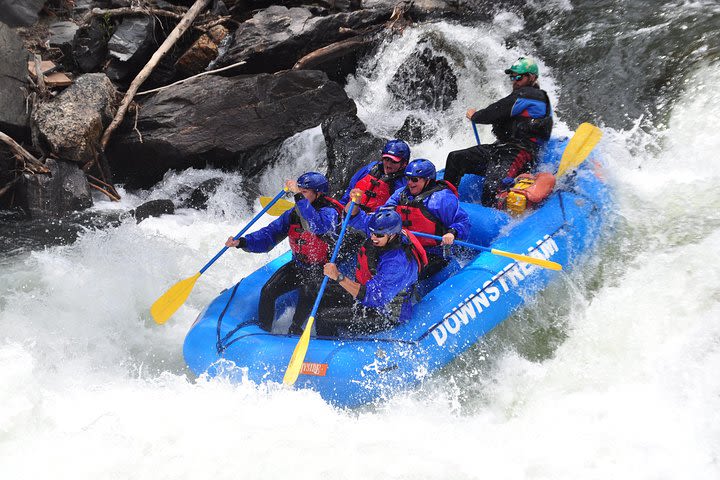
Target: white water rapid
point(611, 374)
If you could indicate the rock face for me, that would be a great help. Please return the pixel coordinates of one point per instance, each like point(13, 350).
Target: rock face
point(349, 147)
point(20, 13)
point(425, 81)
point(233, 123)
point(277, 37)
point(415, 130)
point(153, 208)
point(130, 47)
point(65, 190)
point(89, 46)
point(13, 71)
point(71, 124)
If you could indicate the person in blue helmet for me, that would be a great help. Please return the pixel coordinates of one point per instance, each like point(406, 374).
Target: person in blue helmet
point(521, 123)
point(311, 228)
point(380, 179)
point(431, 206)
point(380, 295)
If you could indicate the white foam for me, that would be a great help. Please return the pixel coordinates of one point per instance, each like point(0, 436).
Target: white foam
point(92, 388)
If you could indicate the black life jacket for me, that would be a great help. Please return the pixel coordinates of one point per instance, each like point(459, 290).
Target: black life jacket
point(377, 187)
point(523, 129)
point(416, 216)
point(306, 246)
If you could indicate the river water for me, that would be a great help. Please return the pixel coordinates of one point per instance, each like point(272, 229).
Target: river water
point(611, 373)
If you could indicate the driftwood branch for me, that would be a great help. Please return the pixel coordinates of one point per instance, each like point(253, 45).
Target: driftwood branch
point(335, 50)
point(35, 165)
point(218, 21)
point(126, 11)
point(40, 75)
point(9, 186)
point(190, 78)
point(105, 192)
point(177, 32)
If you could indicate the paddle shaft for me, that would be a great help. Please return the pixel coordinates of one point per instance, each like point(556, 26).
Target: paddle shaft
point(336, 250)
point(250, 224)
point(456, 242)
point(515, 256)
point(477, 137)
point(298, 356)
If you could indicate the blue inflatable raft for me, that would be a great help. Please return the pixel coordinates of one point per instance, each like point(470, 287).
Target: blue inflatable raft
point(457, 309)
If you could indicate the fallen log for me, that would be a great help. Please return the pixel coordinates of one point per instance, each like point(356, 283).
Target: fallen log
point(127, 11)
point(177, 32)
point(335, 50)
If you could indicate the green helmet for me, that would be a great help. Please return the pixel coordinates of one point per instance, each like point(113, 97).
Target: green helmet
point(523, 65)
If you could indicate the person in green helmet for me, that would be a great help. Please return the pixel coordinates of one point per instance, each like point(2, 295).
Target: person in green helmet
point(521, 122)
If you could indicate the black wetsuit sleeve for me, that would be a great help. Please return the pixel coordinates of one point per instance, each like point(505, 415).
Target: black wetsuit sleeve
point(496, 112)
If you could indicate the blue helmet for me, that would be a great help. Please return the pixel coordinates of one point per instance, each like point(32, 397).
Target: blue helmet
point(385, 221)
point(397, 150)
point(313, 181)
point(421, 168)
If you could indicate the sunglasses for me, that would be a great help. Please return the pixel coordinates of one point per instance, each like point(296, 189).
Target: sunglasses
point(413, 179)
point(379, 235)
point(516, 78)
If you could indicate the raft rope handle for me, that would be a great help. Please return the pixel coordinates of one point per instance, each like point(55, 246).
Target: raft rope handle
point(219, 346)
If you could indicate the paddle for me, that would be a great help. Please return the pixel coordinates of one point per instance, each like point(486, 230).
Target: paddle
point(515, 256)
point(170, 301)
point(280, 207)
point(579, 147)
point(298, 356)
point(477, 137)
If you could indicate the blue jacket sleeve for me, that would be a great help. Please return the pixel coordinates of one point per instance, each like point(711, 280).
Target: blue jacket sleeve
point(266, 238)
point(320, 221)
point(445, 205)
point(353, 181)
point(395, 272)
point(394, 198)
point(360, 222)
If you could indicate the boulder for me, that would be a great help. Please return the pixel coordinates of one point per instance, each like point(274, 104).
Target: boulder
point(199, 197)
point(153, 208)
point(277, 37)
point(349, 147)
point(132, 44)
point(235, 123)
point(89, 47)
point(13, 84)
point(20, 13)
point(425, 81)
point(63, 191)
point(70, 125)
point(415, 130)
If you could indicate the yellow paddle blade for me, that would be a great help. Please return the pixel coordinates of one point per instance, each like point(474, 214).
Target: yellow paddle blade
point(579, 147)
point(528, 259)
point(280, 207)
point(165, 306)
point(298, 356)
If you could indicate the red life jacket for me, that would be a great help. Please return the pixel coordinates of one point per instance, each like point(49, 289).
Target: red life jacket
point(305, 245)
point(377, 187)
point(418, 218)
point(368, 256)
